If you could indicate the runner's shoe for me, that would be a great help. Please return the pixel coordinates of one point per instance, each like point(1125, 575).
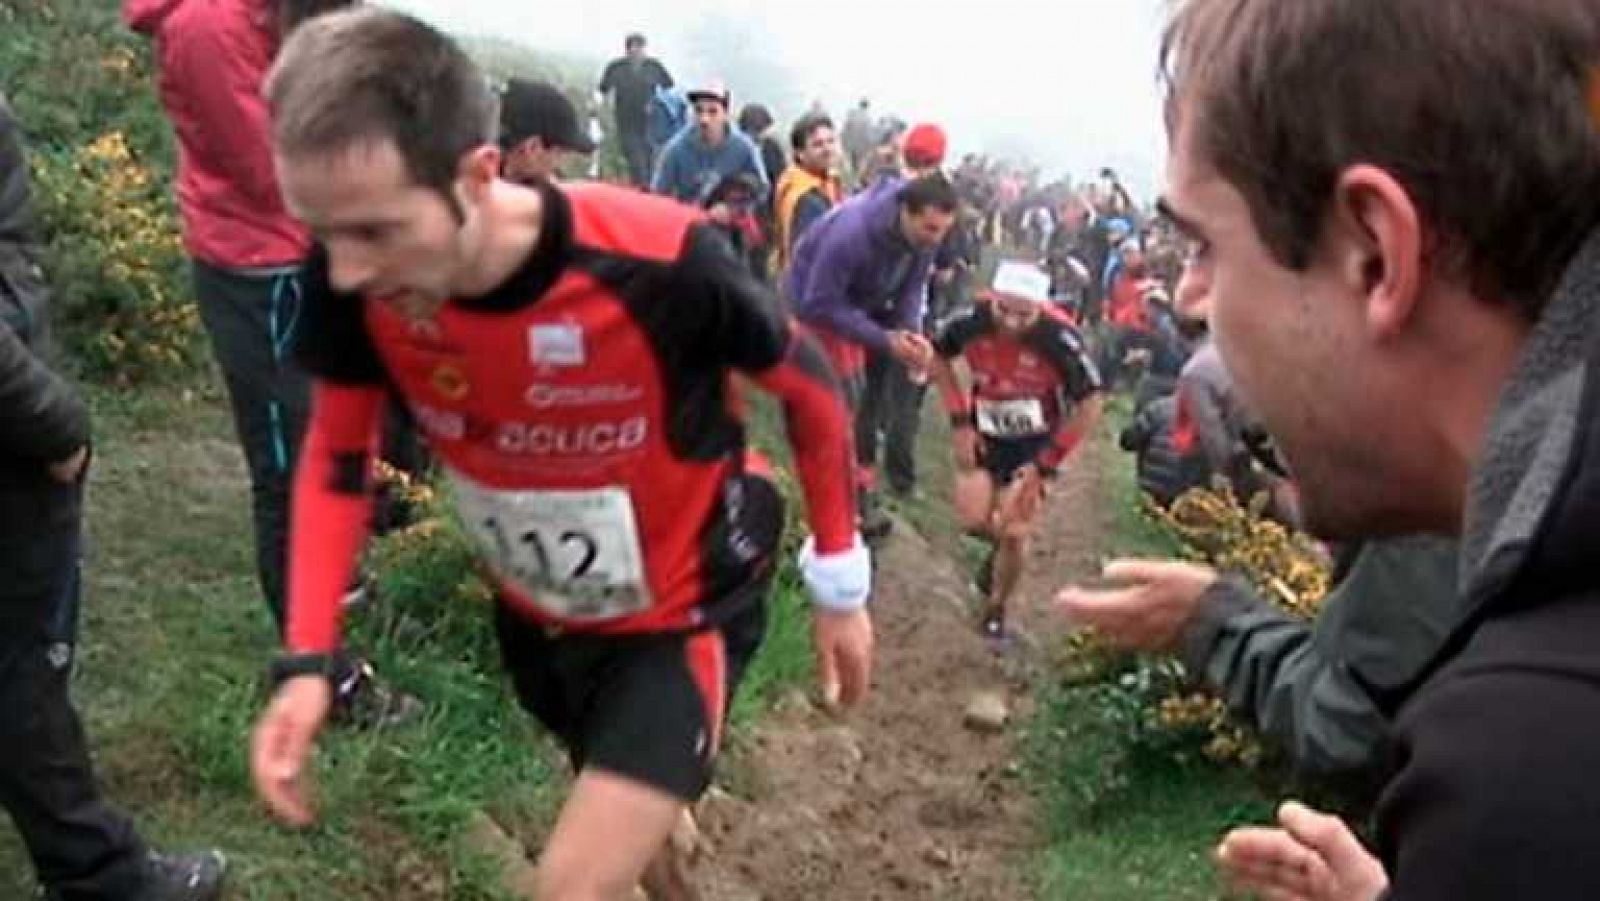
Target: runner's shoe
point(196, 876)
point(363, 701)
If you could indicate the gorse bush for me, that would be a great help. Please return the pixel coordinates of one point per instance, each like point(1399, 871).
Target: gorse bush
point(82, 89)
point(1156, 705)
point(116, 263)
point(1287, 567)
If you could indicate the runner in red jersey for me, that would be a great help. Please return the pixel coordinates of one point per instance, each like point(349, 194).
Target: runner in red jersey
point(1035, 394)
point(569, 353)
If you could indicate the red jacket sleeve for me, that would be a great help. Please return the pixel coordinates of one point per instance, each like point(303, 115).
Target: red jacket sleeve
point(741, 324)
point(1081, 388)
point(331, 510)
point(818, 425)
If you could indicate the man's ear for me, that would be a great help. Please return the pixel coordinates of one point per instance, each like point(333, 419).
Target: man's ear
point(1375, 236)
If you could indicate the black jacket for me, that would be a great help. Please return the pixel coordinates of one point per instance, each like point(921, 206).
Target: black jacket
point(1312, 687)
point(42, 421)
point(1496, 795)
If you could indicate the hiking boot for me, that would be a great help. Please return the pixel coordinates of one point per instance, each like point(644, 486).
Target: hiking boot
point(363, 701)
point(195, 876)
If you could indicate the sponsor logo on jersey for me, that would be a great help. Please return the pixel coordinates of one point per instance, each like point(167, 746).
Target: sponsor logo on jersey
point(577, 440)
point(445, 425)
point(552, 346)
point(545, 396)
point(450, 382)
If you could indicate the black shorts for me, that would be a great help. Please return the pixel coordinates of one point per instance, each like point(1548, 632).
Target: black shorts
point(647, 707)
point(1002, 457)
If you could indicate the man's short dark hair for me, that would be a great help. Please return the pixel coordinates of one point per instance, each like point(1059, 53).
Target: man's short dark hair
point(1476, 107)
point(933, 191)
point(754, 119)
point(800, 134)
point(352, 78)
point(634, 40)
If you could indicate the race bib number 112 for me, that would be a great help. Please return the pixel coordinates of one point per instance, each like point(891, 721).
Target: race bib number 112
point(574, 553)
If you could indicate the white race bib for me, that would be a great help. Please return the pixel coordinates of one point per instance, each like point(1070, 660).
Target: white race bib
point(574, 553)
point(1011, 418)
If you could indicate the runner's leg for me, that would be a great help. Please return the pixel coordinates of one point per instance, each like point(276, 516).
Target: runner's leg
point(1012, 533)
point(974, 502)
point(609, 831)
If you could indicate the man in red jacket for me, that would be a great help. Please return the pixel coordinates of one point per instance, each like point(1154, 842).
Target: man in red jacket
point(247, 252)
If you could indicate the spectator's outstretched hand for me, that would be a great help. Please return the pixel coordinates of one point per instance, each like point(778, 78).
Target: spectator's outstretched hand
point(1147, 610)
point(1313, 857)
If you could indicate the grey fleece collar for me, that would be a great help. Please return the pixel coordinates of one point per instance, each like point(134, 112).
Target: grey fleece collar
point(1531, 435)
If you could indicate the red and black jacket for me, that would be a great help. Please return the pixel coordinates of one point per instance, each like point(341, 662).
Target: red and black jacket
point(605, 363)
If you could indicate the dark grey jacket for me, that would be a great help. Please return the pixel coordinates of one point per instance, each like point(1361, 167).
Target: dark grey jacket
point(1318, 690)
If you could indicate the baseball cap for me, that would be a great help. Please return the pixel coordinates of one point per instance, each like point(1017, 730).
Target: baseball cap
point(925, 145)
point(711, 90)
point(1023, 280)
point(538, 109)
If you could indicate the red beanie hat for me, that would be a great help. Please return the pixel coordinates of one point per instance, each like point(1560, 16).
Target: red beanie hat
point(925, 146)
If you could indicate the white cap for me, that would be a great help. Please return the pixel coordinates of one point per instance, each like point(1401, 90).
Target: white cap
point(1023, 280)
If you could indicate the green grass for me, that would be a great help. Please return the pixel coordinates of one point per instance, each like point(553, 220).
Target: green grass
point(1122, 826)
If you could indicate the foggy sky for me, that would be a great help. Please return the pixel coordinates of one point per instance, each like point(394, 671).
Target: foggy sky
point(1068, 82)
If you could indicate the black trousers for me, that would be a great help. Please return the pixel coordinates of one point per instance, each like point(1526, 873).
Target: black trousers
point(251, 321)
point(80, 846)
point(890, 416)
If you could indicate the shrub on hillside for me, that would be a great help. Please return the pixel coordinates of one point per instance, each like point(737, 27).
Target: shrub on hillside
point(81, 85)
point(1155, 704)
point(116, 262)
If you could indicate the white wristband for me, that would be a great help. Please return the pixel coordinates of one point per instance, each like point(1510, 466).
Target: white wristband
point(837, 582)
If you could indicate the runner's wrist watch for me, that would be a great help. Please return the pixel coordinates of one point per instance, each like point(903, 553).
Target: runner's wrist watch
point(1045, 471)
point(289, 666)
point(963, 419)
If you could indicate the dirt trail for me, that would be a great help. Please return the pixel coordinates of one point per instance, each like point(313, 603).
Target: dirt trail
point(902, 801)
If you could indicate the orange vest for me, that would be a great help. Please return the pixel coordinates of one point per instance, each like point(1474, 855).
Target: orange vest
point(794, 184)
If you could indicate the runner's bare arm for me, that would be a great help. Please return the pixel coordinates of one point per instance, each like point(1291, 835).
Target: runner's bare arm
point(332, 509)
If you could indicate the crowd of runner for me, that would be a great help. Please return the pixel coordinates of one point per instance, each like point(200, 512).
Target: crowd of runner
point(385, 249)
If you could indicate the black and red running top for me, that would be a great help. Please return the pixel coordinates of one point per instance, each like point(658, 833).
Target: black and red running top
point(585, 416)
point(1025, 385)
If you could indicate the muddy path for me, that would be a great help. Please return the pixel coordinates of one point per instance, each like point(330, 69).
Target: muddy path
point(903, 800)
